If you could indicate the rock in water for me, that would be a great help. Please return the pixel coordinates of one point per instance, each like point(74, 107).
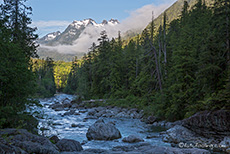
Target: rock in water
point(54, 138)
point(151, 120)
point(225, 144)
point(69, 145)
point(132, 139)
point(102, 131)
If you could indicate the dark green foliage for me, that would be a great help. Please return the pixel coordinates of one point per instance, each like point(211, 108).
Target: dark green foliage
point(17, 81)
point(45, 77)
point(72, 82)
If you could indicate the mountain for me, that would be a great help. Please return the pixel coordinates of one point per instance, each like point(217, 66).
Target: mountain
point(174, 11)
point(79, 35)
point(75, 40)
point(49, 37)
point(73, 31)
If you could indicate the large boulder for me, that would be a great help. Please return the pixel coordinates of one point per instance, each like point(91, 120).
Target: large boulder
point(18, 139)
point(6, 148)
point(132, 139)
point(102, 131)
point(210, 123)
point(179, 134)
point(69, 145)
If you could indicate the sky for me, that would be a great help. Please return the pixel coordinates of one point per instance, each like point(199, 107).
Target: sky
point(53, 15)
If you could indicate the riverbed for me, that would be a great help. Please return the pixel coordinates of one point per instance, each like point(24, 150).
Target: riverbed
point(53, 122)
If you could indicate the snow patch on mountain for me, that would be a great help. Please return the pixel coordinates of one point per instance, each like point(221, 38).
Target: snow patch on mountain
point(79, 35)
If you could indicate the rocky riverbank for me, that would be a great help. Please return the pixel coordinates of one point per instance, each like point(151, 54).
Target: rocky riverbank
point(95, 111)
point(184, 136)
point(20, 141)
point(206, 130)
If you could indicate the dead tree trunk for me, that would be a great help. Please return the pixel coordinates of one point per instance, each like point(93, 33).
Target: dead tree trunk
point(153, 49)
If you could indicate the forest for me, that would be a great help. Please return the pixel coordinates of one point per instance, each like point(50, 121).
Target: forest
point(171, 71)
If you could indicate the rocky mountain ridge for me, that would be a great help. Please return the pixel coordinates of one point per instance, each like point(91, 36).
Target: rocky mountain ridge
point(73, 32)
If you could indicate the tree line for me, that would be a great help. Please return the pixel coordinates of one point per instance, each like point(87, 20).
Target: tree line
point(172, 71)
point(51, 76)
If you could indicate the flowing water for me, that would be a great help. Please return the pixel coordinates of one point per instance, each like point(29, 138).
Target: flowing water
point(54, 123)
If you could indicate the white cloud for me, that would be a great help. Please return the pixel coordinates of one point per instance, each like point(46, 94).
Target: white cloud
point(138, 19)
point(45, 24)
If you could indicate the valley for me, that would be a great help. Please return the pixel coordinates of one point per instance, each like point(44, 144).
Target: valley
point(129, 86)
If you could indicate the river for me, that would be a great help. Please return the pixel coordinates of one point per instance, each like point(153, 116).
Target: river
point(53, 122)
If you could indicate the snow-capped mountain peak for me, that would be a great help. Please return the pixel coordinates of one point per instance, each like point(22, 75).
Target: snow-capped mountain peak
point(75, 30)
point(104, 22)
point(50, 36)
point(113, 21)
point(87, 22)
point(77, 24)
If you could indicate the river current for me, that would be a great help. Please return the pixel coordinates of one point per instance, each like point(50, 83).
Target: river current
point(53, 122)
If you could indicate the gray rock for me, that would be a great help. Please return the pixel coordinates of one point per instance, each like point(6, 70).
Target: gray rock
point(55, 106)
point(74, 105)
point(92, 112)
point(210, 123)
point(66, 100)
point(132, 139)
point(6, 148)
point(108, 115)
point(77, 125)
point(228, 150)
point(69, 145)
point(59, 109)
point(77, 113)
point(95, 151)
point(84, 142)
point(146, 148)
point(102, 131)
point(152, 136)
point(225, 144)
point(180, 135)
point(30, 143)
point(71, 112)
point(166, 125)
point(91, 117)
point(67, 105)
point(100, 113)
point(83, 111)
point(54, 138)
point(122, 115)
point(151, 120)
point(99, 109)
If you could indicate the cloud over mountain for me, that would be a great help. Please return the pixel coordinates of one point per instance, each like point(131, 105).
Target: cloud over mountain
point(79, 35)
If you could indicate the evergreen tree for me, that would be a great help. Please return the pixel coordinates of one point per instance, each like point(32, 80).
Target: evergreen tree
point(17, 81)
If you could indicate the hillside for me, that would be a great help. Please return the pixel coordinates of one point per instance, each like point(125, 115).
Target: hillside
point(174, 11)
